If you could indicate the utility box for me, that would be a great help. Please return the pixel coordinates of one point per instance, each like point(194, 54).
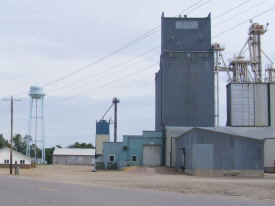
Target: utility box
point(112, 166)
point(17, 171)
point(99, 166)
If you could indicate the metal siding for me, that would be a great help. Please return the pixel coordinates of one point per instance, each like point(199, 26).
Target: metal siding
point(79, 160)
point(272, 105)
point(55, 160)
point(185, 39)
point(186, 76)
point(102, 127)
point(151, 155)
point(202, 157)
point(135, 145)
point(174, 154)
point(61, 160)
point(100, 138)
point(112, 148)
point(261, 104)
point(158, 126)
point(269, 152)
point(241, 100)
point(184, 86)
point(151, 134)
point(229, 108)
point(168, 150)
point(229, 152)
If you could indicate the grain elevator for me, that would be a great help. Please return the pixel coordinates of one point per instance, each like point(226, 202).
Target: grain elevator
point(185, 81)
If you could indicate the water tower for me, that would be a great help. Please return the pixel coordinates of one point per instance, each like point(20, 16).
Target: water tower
point(37, 93)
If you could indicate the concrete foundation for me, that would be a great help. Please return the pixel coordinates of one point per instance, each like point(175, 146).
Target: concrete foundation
point(221, 173)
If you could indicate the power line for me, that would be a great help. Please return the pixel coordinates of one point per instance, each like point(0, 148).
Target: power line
point(5, 113)
point(157, 63)
point(118, 50)
point(141, 54)
point(104, 84)
point(152, 31)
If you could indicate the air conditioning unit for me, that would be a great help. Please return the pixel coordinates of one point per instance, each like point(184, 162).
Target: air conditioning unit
point(125, 148)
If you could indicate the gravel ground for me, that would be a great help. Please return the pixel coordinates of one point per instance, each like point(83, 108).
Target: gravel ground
point(155, 178)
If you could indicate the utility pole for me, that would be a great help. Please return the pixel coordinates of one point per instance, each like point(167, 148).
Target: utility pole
point(11, 100)
point(115, 101)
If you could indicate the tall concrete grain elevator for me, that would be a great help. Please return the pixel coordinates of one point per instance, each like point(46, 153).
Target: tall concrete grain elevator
point(185, 82)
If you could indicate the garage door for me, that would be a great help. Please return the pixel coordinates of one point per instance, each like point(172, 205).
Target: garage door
point(151, 155)
point(61, 160)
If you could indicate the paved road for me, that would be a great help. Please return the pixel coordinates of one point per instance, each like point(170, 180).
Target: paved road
point(25, 192)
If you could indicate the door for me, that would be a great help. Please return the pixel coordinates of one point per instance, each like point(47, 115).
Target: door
point(151, 155)
point(61, 160)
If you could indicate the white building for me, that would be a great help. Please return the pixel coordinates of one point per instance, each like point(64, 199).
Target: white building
point(73, 156)
point(22, 160)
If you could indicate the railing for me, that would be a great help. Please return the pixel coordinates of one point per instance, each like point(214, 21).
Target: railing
point(131, 164)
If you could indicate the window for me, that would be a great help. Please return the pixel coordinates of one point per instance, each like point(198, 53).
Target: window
point(22, 162)
point(187, 25)
point(111, 158)
point(6, 161)
point(134, 158)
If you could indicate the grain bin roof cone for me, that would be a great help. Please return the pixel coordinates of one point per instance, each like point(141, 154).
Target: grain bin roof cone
point(37, 91)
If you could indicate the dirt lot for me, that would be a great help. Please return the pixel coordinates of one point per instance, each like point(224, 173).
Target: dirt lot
point(160, 179)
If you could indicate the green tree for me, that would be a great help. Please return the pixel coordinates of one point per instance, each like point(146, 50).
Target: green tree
point(58, 146)
point(19, 143)
point(38, 151)
point(90, 146)
point(49, 155)
point(4, 143)
point(82, 145)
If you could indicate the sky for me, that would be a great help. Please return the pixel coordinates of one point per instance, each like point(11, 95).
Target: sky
point(85, 53)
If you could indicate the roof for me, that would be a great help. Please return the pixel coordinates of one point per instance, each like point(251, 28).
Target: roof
point(74, 151)
point(177, 131)
point(260, 133)
point(6, 148)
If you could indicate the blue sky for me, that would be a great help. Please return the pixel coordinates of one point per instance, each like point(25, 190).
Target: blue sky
point(43, 41)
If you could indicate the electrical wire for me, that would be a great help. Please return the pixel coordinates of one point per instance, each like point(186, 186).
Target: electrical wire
point(152, 31)
point(3, 114)
point(157, 63)
point(138, 55)
point(144, 53)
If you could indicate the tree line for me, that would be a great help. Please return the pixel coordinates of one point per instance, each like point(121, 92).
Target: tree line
point(20, 143)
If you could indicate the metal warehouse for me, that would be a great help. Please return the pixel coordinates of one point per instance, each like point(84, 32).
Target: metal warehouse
point(220, 150)
point(73, 156)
